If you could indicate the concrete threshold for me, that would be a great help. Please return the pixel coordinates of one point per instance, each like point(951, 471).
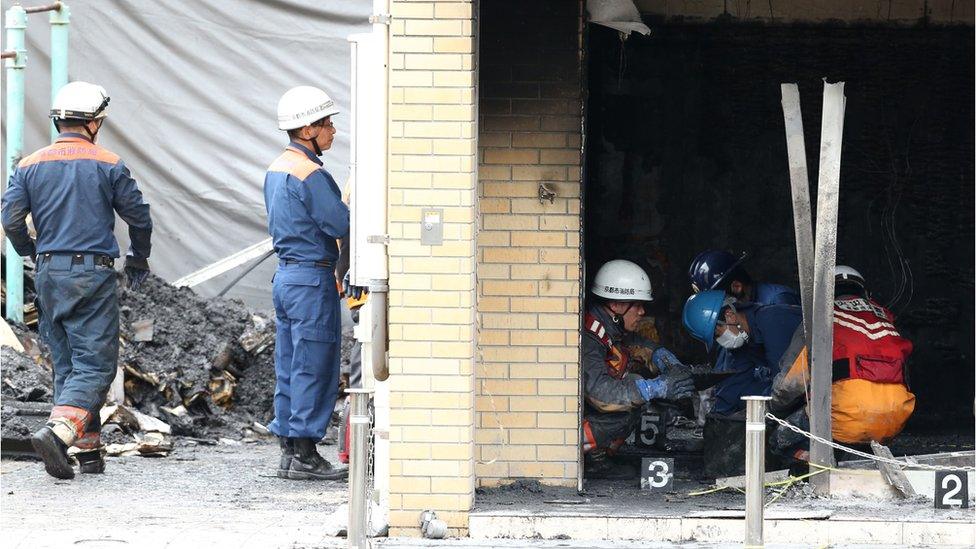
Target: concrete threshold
point(410, 543)
point(805, 530)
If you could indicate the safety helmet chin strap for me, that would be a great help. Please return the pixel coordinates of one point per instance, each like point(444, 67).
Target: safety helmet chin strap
point(95, 119)
point(315, 142)
point(92, 134)
point(619, 318)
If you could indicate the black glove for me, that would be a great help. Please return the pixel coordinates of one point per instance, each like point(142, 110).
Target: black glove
point(349, 290)
point(136, 271)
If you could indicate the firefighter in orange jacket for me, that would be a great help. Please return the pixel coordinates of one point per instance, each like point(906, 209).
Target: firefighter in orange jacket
point(870, 399)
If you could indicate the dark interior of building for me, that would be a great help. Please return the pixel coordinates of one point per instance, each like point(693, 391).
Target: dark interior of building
point(686, 150)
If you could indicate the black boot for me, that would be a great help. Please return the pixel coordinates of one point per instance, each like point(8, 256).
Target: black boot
point(54, 452)
point(309, 465)
point(287, 453)
point(91, 461)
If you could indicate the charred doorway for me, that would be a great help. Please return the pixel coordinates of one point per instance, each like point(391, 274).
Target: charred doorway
point(686, 151)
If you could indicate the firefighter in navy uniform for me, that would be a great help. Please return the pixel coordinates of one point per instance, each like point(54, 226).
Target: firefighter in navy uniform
point(306, 216)
point(73, 189)
point(615, 384)
point(870, 398)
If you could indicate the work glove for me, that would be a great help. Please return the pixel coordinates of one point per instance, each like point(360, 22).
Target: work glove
point(664, 360)
point(349, 290)
point(674, 385)
point(136, 271)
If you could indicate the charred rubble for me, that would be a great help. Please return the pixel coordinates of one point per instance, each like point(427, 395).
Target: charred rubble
point(203, 367)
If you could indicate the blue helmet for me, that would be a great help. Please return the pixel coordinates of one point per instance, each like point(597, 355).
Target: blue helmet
point(700, 315)
point(709, 269)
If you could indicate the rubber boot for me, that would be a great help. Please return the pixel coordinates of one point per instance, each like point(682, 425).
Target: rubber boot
point(309, 465)
point(91, 462)
point(287, 453)
point(54, 452)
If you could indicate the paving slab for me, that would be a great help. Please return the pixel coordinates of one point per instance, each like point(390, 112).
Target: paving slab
point(199, 496)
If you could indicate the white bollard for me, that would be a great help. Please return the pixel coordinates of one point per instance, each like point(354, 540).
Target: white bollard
point(755, 468)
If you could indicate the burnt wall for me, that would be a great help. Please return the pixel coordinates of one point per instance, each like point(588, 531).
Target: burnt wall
point(686, 151)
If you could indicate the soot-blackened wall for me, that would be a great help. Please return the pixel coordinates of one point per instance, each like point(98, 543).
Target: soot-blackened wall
point(686, 151)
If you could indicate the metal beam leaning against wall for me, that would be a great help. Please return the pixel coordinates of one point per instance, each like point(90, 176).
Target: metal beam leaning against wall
point(821, 350)
point(800, 186)
point(16, 67)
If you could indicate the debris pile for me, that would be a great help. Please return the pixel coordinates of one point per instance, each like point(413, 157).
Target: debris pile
point(202, 365)
point(193, 367)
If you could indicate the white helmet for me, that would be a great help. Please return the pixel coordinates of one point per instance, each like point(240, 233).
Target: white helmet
point(81, 101)
point(303, 105)
point(843, 273)
point(622, 280)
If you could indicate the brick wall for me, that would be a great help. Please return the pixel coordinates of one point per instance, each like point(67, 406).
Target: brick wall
point(432, 288)
point(528, 252)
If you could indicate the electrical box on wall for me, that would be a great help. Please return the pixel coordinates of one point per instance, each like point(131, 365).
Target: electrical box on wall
point(432, 226)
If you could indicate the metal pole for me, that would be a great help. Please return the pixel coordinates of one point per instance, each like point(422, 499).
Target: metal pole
point(802, 215)
point(59, 52)
point(755, 468)
point(16, 67)
point(358, 450)
point(822, 336)
point(46, 7)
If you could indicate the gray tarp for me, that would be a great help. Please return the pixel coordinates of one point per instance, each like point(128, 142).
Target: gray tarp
point(194, 86)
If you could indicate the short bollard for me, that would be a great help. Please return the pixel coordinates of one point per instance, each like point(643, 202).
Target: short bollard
point(358, 463)
point(755, 468)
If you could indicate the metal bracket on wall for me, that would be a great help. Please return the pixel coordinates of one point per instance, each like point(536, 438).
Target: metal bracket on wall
point(378, 239)
point(382, 19)
point(546, 193)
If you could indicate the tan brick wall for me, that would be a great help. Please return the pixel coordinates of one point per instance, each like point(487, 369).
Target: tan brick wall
point(528, 252)
point(432, 288)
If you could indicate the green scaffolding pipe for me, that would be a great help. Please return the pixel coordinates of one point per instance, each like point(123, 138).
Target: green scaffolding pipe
point(59, 52)
point(16, 66)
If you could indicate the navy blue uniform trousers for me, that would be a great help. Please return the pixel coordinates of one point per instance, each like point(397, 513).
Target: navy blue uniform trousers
point(79, 321)
point(306, 350)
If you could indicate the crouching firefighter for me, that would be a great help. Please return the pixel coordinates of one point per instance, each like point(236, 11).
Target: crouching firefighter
point(870, 399)
point(73, 189)
point(753, 339)
point(615, 393)
point(306, 216)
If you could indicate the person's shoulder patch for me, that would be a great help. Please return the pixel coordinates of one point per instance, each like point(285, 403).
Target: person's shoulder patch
point(294, 164)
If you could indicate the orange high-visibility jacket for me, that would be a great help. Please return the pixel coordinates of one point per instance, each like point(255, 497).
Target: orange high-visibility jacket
point(870, 399)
